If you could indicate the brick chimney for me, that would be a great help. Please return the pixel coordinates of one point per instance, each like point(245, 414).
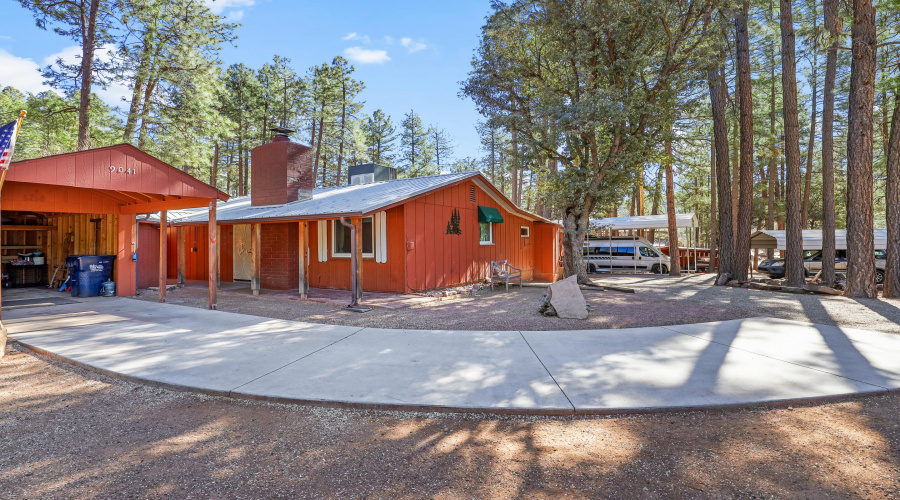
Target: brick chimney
point(280, 171)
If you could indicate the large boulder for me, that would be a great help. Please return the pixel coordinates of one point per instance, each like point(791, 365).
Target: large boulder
point(567, 299)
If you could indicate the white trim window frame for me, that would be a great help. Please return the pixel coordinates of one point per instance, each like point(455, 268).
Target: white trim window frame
point(334, 233)
point(526, 233)
point(490, 241)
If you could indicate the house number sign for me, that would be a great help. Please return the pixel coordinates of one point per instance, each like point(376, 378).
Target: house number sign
point(122, 170)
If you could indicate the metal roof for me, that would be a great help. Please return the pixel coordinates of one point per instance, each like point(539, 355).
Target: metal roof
point(332, 202)
point(644, 222)
point(811, 239)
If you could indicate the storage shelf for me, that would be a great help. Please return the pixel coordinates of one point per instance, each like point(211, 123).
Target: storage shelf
point(20, 247)
point(9, 227)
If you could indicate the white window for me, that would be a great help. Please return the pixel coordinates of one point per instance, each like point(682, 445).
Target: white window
point(341, 245)
point(524, 231)
point(486, 233)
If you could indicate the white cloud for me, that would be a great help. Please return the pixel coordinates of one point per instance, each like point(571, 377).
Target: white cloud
point(234, 15)
point(355, 36)
point(366, 56)
point(412, 45)
point(21, 73)
point(389, 40)
point(220, 6)
point(115, 92)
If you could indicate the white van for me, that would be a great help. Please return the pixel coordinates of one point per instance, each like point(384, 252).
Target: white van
point(624, 253)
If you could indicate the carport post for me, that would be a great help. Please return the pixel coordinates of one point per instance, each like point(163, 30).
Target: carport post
point(218, 256)
point(213, 258)
point(182, 257)
point(634, 253)
point(302, 248)
point(163, 248)
point(358, 250)
point(255, 256)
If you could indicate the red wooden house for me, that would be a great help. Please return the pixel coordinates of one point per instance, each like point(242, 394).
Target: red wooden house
point(413, 234)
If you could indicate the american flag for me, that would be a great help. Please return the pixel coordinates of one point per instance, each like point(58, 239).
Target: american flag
point(7, 143)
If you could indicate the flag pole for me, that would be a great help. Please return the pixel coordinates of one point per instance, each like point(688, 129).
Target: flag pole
point(12, 147)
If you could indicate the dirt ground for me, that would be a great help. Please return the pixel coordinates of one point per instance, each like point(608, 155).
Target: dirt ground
point(65, 433)
point(656, 301)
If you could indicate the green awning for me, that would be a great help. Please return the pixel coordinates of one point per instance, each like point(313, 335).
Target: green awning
point(489, 214)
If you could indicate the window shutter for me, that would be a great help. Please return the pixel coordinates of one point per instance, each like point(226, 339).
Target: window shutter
point(322, 240)
point(380, 225)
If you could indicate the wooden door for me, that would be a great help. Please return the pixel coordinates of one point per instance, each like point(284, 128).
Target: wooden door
point(243, 258)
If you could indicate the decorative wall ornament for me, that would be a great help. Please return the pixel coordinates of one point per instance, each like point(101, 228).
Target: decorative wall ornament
point(453, 225)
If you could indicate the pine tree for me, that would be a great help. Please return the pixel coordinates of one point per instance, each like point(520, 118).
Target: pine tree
point(442, 146)
point(415, 149)
point(89, 23)
point(380, 135)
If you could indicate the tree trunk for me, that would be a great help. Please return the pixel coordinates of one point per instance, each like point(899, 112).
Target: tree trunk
point(145, 112)
point(741, 260)
point(713, 216)
point(247, 173)
point(574, 228)
point(241, 162)
point(812, 131)
point(794, 272)
point(514, 168)
point(674, 254)
point(723, 174)
point(735, 179)
point(860, 204)
point(214, 168)
point(319, 143)
point(343, 127)
point(657, 195)
point(833, 25)
point(140, 80)
point(493, 156)
point(772, 173)
point(892, 269)
point(87, 74)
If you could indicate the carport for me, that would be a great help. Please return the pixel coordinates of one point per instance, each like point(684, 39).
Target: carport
point(811, 239)
point(644, 222)
point(87, 202)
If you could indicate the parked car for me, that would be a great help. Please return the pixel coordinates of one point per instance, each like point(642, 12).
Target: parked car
point(774, 268)
point(624, 252)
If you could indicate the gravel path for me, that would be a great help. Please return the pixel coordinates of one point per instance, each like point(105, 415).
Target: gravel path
point(657, 301)
point(65, 433)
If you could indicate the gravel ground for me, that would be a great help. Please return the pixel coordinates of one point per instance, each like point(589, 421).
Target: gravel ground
point(656, 301)
point(66, 433)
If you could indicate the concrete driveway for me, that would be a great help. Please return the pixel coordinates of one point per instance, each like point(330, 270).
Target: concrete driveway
point(725, 363)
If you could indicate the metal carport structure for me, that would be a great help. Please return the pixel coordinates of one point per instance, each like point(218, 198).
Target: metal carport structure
point(811, 239)
point(639, 222)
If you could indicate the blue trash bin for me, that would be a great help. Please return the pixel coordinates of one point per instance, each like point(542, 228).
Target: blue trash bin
point(88, 273)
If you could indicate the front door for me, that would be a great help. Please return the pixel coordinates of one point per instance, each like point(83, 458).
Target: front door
point(243, 258)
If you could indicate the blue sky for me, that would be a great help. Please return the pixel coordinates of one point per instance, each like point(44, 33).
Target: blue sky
point(410, 54)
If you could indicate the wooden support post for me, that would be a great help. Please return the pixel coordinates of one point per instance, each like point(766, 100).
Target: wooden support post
point(213, 258)
point(182, 256)
point(358, 248)
point(255, 256)
point(163, 248)
point(303, 246)
point(218, 255)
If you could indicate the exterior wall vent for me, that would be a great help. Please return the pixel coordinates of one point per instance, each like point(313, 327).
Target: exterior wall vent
point(472, 194)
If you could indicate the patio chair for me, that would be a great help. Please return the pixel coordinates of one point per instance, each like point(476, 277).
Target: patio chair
point(502, 271)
